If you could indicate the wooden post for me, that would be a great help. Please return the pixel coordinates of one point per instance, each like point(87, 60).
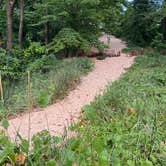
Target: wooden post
point(1, 89)
point(29, 109)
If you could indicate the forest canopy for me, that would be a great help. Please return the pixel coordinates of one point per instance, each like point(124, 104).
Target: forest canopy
point(23, 22)
point(30, 29)
point(143, 23)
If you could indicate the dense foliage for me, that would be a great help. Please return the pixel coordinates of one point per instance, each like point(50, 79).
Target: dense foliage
point(35, 35)
point(31, 30)
point(144, 23)
point(125, 126)
point(44, 19)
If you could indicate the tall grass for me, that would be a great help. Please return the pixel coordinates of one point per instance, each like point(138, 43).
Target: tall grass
point(125, 126)
point(46, 87)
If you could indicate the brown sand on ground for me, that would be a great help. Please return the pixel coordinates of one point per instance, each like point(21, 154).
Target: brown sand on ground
point(63, 113)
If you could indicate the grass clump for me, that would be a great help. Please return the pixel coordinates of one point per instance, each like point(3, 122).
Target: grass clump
point(129, 49)
point(52, 82)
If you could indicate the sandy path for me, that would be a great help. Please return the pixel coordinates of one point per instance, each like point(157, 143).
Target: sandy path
point(59, 115)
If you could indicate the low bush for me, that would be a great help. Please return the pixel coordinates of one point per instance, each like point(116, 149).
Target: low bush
point(132, 48)
point(15, 63)
point(34, 51)
point(159, 43)
point(11, 63)
point(66, 40)
point(43, 64)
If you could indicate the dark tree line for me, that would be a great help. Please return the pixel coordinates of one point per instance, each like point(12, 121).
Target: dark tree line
point(41, 20)
point(144, 21)
point(69, 25)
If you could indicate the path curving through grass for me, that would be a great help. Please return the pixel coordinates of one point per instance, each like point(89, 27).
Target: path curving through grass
point(62, 114)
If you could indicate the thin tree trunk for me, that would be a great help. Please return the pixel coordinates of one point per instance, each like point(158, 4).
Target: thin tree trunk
point(164, 27)
point(46, 29)
point(20, 33)
point(1, 40)
point(9, 15)
point(46, 33)
point(9, 25)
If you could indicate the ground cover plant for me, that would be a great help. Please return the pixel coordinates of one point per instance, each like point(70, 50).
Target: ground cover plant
point(125, 126)
point(51, 79)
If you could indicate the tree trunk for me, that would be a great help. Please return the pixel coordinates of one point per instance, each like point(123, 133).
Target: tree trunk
point(108, 40)
point(9, 25)
point(164, 27)
point(9, 15)
point(46, 33)
point(1, 41)
point(20, 33)
point(46, 29)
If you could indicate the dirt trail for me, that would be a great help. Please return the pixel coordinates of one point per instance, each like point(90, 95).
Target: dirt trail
point(59, 115)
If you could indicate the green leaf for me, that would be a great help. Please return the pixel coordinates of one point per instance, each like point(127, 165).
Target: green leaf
point(130, 163)
point(146, 163)
point(5, 124)
point(98, 144)
point(51, 163)
point(90, 113)
point(104, 158)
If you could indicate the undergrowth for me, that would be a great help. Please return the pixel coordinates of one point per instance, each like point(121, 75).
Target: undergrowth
point(46, 86)
point(125, 126)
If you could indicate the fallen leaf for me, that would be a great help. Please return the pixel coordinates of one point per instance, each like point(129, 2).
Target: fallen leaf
point(132, 111)
point(20, 158)
point(1, 132)
point(74, 164)
point(163, 143)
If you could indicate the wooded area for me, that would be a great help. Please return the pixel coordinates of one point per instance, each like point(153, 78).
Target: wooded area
point(68, 27)
point(43, 20)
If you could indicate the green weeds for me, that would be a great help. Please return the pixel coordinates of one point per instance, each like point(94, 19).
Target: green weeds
point(125, 126)
point(46, 87)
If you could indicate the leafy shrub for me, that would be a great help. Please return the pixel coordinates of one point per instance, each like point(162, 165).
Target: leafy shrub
point(43, 98)
point(67, 39)
point(131, 48)
point(11, 65)
point(44, 64)
point(34, 51)
point(15, 63)
point(159, 43)
point(99, 45)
